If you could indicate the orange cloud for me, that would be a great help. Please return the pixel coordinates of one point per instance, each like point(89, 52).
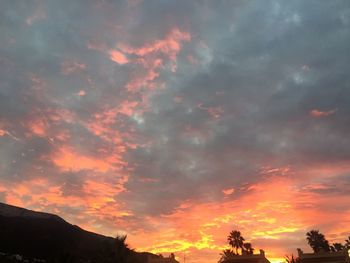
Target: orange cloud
point(58, 115)
point(81, 93)
point(194, 227)
point(109, 116)
point(96, 200)
point(38, 126)
point(118, 57)
point(228, 191)
point(275, 170)
point(2, 132)
point(145, 79)
point(318, 113)
point(69, 160)
point(171, 45)
point(42, 123)
point(101, 124)
point(268, 213)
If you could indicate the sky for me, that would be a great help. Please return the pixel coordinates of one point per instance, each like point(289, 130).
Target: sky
point(175, 122)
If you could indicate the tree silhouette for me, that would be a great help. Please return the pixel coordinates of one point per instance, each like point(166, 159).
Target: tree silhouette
point(291, 259)
point(122, 249)
point(236, 240)
point(336, 247)
point(317, 241)
point(116, 251)
point(347, 243)
point(227, 253)
point(248, 249)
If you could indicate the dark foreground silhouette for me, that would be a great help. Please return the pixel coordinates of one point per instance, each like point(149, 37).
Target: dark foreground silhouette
point(30, 236)
point(323, 252)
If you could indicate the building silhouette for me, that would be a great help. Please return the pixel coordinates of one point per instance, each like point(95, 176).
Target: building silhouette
point(254, 258)
point(161, 259)
point(324, 257)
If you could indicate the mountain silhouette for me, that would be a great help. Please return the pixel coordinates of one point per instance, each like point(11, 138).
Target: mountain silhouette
point(49, 237)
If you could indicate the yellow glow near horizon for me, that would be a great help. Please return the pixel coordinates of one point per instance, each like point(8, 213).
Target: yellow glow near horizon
point(276, 260)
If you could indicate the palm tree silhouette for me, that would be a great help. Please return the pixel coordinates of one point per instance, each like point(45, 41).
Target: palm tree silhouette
point(347, 243)
point(248, 248)
point(235, 240)
point(336, 247)
point(317, 241)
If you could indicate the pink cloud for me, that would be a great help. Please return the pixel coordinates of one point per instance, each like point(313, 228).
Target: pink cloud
point(67, 159)
point(70, 66)
point(170, 45)
point(318, 113)
point(38, 126)
point(118, 57)
point(228, 191)
point(2, 132)
point(41, 123)
point(81, 93)
point(145, 78)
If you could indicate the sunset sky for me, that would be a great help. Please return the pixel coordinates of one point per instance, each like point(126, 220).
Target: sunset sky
point(178, 121)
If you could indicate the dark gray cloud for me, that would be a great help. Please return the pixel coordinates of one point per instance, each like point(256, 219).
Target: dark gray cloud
point(258, 84)
point(270, 65)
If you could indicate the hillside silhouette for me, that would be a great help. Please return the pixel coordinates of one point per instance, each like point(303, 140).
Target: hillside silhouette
point(37, 235)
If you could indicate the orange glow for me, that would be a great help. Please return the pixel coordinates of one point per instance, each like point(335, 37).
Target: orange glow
point(92, 151)
point(270, 211)
point(205, 226)
point(118, 57)
point(2, 132)
point(69, 160)
point(96, 198)
point(38, 127)
point(228, 191)
point(266, 213)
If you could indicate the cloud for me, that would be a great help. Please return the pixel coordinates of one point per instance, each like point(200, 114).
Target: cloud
point(69, 67)
point(176, 122)
point(67, 159)
point(228, 191)
point(118, 57)
point(318, 113)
